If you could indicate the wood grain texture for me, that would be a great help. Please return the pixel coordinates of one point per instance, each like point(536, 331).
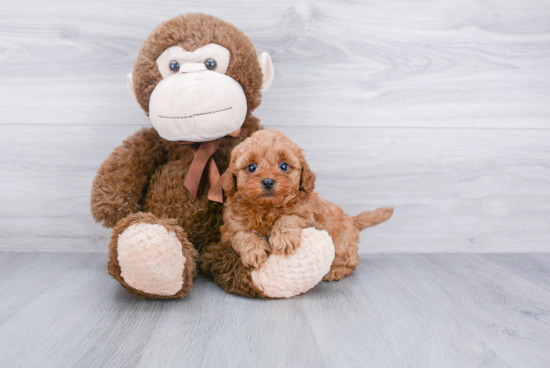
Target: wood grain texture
point(454, 190)
point(453, 310)
point(531, 267)
point(435, 107)
point(434, 63)
point(22, 277)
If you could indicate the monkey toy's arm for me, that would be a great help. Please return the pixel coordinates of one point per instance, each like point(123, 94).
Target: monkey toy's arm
point(121, 181)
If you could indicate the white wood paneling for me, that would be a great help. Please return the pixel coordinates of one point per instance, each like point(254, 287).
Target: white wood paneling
point(437, 63)
point(454, 190)
point(439, 108)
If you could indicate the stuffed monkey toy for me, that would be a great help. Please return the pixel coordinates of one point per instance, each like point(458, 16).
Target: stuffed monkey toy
point(198, 79)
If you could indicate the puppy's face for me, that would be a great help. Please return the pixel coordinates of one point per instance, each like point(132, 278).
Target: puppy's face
point(268, 169)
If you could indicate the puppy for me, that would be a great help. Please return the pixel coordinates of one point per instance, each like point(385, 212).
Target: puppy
point(270, 200)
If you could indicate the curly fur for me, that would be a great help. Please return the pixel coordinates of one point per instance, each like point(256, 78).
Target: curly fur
point(258, 222)
point(146, 173)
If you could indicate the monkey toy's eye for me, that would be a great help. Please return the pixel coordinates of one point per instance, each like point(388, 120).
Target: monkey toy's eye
point(210, 64)
point(251, 168)
point(174, 66)
point(283, 166)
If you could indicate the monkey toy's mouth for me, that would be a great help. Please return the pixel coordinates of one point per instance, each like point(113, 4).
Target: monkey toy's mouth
point(192, 116)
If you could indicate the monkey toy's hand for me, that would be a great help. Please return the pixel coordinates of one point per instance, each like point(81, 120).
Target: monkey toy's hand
point(285, 276)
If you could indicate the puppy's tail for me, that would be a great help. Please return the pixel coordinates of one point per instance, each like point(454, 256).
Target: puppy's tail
point(371, 218)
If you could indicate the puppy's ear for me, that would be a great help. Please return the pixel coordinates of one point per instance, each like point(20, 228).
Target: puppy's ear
point(229, 182)
point(307, 181)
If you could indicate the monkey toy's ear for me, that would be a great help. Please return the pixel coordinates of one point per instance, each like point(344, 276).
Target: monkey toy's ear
point(267, 70)
point(130, 85)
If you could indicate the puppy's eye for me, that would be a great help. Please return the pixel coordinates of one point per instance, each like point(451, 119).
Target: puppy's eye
point(251, 168)
point(174, 66)
point(283, 166)
point(210, 64)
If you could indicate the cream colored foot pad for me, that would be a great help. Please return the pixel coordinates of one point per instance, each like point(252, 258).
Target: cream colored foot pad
point(151, 259)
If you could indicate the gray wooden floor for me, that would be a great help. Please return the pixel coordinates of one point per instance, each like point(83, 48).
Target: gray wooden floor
point(63, 310)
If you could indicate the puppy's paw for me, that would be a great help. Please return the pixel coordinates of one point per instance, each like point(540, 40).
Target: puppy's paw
point(285, 242)
point(337, 273)
point(254, 257)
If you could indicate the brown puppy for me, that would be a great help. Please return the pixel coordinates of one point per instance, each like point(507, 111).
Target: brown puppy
point(270, 200)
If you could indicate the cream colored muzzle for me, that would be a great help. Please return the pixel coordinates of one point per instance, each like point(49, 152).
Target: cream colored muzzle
point(197, 105)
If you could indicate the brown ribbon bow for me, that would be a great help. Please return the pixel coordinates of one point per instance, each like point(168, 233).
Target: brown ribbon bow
point(203, 152)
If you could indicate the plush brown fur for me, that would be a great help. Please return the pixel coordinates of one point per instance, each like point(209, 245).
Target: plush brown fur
point(146, 173)
point(259, 222)
point(221, 262)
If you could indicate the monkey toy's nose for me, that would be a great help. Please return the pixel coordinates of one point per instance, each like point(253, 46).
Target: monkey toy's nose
point(268, 184)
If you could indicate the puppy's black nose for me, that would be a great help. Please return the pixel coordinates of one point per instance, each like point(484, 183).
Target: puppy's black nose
point(268, 183)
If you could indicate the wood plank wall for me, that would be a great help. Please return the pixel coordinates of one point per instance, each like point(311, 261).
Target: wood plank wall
point(439, 108)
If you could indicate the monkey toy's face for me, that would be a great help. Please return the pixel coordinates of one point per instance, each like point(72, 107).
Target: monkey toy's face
point(196, 97)
point(196, 100)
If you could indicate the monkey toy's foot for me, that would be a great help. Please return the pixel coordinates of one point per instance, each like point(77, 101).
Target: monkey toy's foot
point(286, 276)
point(152, 257)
